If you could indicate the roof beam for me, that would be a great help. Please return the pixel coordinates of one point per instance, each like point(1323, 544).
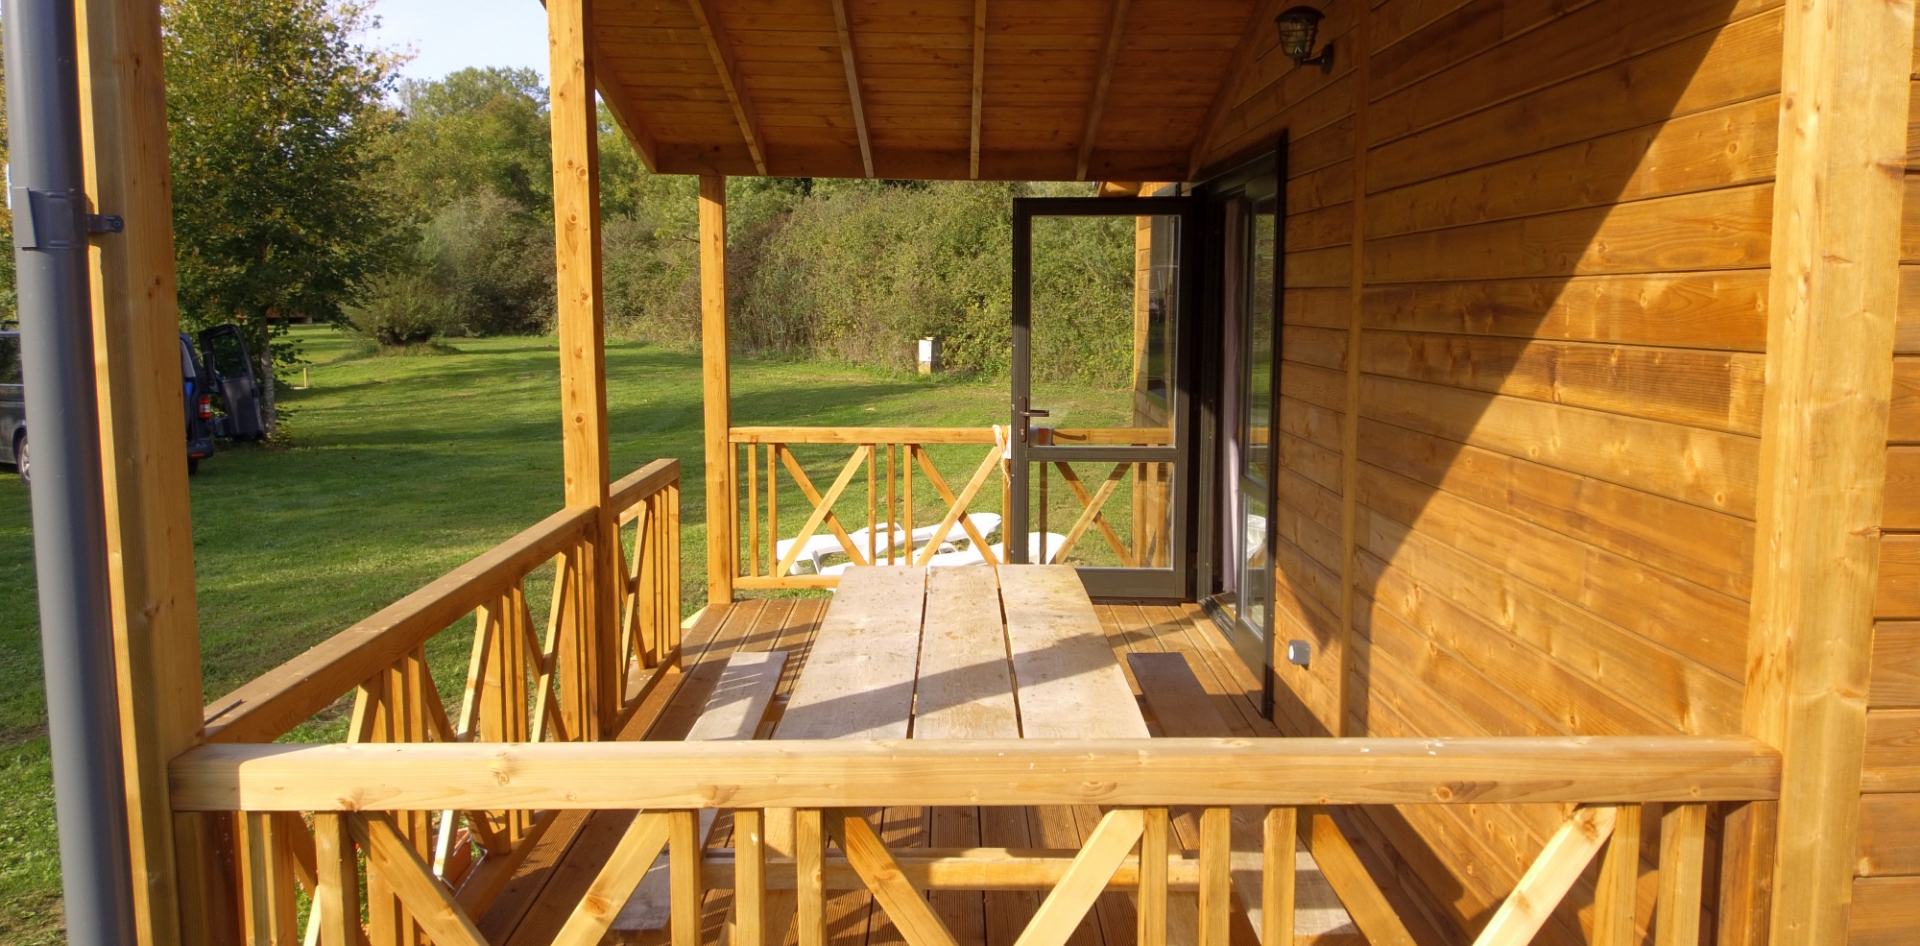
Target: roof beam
point(721, 49)
point(845, 28)
point(1243, 59)
point(979, 82)
point(1115, 29)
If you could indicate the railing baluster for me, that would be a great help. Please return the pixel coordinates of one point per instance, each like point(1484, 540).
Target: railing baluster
point(749, 878)
point(1150, 905)
point(809, 862)
point(873, 508)
point(753, 510)
point(1277, 881)
point(1683, 831)
point(893, 528)
point(773, 506)
point(1617, 891)
point(683, 872)
point(913, 456)
point(1216, 875)
point(336, 905)
point(267, 880)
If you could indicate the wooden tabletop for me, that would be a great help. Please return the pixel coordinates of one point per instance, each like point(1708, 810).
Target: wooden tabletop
point(1013, 652)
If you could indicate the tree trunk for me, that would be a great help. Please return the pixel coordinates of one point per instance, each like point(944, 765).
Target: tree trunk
point(267, 414)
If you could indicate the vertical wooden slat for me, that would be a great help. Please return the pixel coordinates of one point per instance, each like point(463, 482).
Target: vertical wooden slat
point(149, 527)
point(749, 878)
point(1617, 892)
point(683, 867)
point(809, 857)
point(893, 527)
point(1277, 877)
point(1150, 905)
point(1683, 832)
point(267, 881)
point(1216, 875)
point(906, 486)
point(873, 508)
point(753, 509)
point(721, 546)
point(772, 507)
point(338, 899)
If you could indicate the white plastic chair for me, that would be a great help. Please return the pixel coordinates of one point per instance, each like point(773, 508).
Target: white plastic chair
point(988, 523)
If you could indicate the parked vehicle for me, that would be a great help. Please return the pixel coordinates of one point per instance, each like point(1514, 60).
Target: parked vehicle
point(230, 366)
point(13, 404)
point(196, 401)
point(195, 384)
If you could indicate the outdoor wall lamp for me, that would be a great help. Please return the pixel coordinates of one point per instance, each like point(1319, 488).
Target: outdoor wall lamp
point(1297, 28)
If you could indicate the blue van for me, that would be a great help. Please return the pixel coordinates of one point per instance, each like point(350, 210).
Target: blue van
point(196, 395)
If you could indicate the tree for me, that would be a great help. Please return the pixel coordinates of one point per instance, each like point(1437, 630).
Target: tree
point(476, 129)
point(277, 119)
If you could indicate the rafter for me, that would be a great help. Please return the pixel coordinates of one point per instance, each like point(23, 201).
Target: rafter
point(979, 82)
point(721, 49)
point(1243, 60)
point(1115, 29)
point(844, 27)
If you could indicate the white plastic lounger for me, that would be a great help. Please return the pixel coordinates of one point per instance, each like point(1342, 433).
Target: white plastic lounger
point(986, 522)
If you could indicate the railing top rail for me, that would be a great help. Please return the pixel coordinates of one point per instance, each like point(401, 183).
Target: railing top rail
point(963, 772)
point(642, 483)
point(271, 704)
point(858, 435)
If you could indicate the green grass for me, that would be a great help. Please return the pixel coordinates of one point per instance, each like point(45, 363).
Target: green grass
point(400, 468)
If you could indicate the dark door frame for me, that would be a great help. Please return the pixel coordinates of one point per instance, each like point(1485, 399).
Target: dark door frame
point(1210, 513)
point(1175, 582)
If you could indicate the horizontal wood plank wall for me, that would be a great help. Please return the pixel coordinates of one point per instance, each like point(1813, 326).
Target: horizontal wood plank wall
point(1566, 228)
point(1886, 894)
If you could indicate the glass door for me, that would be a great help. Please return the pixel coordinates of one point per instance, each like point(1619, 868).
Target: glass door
point(1252, 449)
point(1100, 390)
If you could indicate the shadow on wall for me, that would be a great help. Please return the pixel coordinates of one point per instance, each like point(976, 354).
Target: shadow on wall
point(1561, 362)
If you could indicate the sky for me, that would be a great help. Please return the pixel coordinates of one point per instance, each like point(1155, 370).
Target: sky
point(449, 35)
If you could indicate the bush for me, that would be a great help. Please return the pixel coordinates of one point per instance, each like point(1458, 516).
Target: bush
point(493, 262)
point(402, 308)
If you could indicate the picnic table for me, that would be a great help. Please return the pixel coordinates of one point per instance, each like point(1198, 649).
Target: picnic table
point(1007, 653)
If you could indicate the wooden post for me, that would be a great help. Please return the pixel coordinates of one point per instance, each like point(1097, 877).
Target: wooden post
point(722, 546)
point(149, 524)
point(587, 652)
point(1832, 296)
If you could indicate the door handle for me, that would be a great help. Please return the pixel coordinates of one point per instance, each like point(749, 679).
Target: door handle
point(1030, 414)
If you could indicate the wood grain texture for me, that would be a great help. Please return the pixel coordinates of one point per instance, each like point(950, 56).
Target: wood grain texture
point(716, 397)
point(860, 670)
point(964, 687)
point(149, 526)
point(1068, 682)
point(1889, 843)
point(1892, 757)
point(1885, 911)
point(1565, 857)
point(1896, 665)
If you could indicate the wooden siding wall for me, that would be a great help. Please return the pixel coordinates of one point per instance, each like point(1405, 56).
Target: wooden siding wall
point(1886, 896)
point(1529, 239)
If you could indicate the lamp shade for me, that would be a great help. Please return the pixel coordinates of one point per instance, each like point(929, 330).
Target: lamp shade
point(1298, 25)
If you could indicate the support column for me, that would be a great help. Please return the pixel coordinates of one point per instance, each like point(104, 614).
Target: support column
point(1834, 287)
point(136, 319)
point(723, 547)
point(588, 656)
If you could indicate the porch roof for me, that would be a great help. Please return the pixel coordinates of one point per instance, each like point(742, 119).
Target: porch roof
point(926, 89)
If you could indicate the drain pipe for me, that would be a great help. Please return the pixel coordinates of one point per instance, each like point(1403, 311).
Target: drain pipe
point(51, 226)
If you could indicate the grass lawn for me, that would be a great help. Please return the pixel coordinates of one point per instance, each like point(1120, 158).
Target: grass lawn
point(400, 468)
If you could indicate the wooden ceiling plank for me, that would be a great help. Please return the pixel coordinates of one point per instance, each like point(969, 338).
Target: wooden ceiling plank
point(1244, 57)
point(721, 49)
point(1115, 30)
point(841, 24)
point(979, 82)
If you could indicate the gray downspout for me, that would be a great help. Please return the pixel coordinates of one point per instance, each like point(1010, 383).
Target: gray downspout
point(51, 225)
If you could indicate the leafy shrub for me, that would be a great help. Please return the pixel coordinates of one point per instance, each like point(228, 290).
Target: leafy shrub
point(403, 307)
point(494, 263)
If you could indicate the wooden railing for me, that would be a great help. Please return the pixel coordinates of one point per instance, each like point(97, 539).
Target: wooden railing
point(882, 469)
point(565, 682)
point(790, 800)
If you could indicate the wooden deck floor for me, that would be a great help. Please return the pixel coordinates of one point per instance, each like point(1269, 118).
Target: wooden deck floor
point(538, 902)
